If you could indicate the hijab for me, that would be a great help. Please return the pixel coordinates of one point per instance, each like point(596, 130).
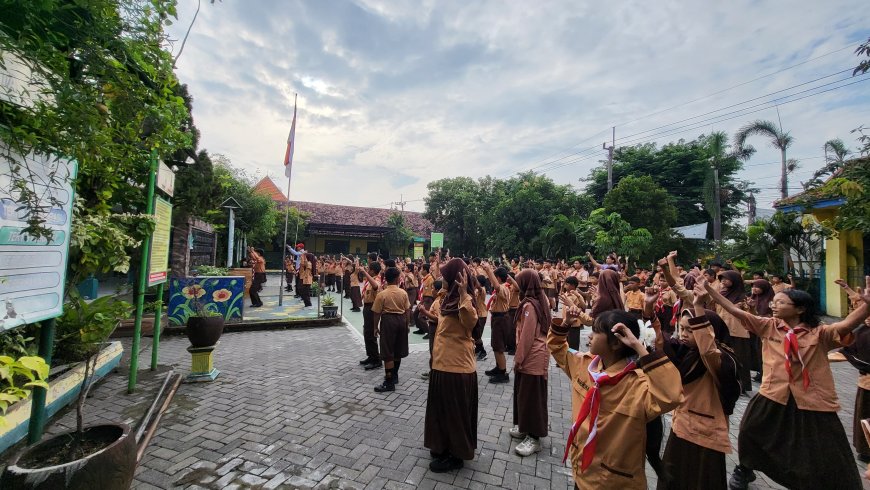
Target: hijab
point(449, 272)
point(688, 358)
point(762, 301)
point(736, 293)
point(531, 292)
point(609, 297)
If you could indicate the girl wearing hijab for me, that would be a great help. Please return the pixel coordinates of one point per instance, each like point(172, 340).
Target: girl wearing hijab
point(790, 429)
point(531, 363)
point(695, 453)
point(451, 407)
point(731, 288)
point(759, 301)
point(609, 293)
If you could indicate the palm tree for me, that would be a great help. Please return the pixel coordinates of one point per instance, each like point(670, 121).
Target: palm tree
point(718, 149)
point(836, 153)
point(779, 139)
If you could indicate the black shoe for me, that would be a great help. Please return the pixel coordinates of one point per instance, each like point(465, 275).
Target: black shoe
point(741, 478)
point(367, 360)
point(443, 465)
point(512, 352)
point(373, 365)
point(757, 378)
point(501, 377)
point(420, 332)
point(481, 355)
point(426, 336)
point(385, 386)
point(492, 372)
point(355, 309)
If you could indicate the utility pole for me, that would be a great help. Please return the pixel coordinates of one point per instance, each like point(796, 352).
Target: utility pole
point(610, 160)
point(400, 203)
point(717, 220)
point(752, 210)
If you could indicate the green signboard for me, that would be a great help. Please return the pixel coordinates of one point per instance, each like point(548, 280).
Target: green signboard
point(437, 240)
point(158, 263)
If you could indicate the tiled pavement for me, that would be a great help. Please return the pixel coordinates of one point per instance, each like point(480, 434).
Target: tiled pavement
point(293, 409)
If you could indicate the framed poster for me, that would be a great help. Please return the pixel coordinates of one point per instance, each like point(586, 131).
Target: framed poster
point(158, 259)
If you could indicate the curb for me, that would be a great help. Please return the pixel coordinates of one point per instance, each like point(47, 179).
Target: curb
point(255, 326)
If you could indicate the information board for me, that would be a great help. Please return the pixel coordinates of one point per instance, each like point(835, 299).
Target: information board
point(158, 261)
point(437, 240)
point(418, 251)
point(33, 272)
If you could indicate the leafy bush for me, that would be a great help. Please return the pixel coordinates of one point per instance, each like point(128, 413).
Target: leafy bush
point(31, 370)
point(210, 270)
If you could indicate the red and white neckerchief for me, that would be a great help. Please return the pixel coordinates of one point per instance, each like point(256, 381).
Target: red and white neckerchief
point(792, 350)
point(366, 286)
point(590, 407)
point(491, 299)
point(422, 285)
point(675, 314)
point(660, 303)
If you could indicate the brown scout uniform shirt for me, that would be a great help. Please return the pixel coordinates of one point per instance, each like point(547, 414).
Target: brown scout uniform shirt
point(372, 291)
point(453, 351)
point(428, 286)
point(514, 302)
point(480, 299)
point(305, 272)
point(258, 263)
point(814, 344)
point(501, 303)
point(651, 390)
point(634, 300)
point(532, 355)
point(391, 300)
point(700, 418)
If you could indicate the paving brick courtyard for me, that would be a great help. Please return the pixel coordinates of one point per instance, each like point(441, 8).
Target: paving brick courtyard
point(293, 409)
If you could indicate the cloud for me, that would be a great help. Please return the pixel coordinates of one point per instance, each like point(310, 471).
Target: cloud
point(393, 95)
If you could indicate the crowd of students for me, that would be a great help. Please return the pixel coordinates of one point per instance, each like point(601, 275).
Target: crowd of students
point(668, 339)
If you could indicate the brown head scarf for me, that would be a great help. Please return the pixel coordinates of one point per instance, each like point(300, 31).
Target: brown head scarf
point(531, 292)
point(608, 293)
point(762, 301)
point(736, 293)
point(449, 273)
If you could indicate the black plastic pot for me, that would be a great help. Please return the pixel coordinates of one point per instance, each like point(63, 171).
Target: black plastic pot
point(111, 467)
point(204, 331)
point(330, 311)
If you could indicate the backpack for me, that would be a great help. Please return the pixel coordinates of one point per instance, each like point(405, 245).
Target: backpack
point(728, 379)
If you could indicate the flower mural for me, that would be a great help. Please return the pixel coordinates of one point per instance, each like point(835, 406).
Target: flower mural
point(221, 295)
point(200, 296)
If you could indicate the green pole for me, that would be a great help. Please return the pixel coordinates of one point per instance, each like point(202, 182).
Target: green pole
point(37, 414)
point(158, 316)
point(142, 282)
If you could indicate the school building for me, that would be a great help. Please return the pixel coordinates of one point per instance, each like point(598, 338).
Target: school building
point(336, 229)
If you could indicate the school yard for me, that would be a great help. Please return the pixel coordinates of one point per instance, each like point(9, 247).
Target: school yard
point(293, 409)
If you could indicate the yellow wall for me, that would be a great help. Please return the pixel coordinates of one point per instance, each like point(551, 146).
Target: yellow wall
point(838, 260)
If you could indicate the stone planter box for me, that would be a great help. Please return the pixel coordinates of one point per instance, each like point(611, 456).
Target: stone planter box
point(125, 329)
point(248, 274)
point(62, 391)
point(223, 295)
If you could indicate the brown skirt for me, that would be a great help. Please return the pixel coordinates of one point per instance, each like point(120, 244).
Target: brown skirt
point(743, 351)
point(451, 414)
point(355, 297)
point(687, 466)
point(800, 449)
point(862, 411)
point(530, 404)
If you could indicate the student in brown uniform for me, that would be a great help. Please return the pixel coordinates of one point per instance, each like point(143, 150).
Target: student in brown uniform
point(615, 397)
point(369, 292)
point(356, 276)
point(347, 267)
point(759, 304)
point(307, 270)
point(432, 314)
point(695, 453)
point(790, 429)
point(425, 295)
point(411, 287)
point(571, 297)
point(513, 304)
point(482, 314)
point(390, 315)
point(858, 355)
point(531, 365)
point(634, 297)
point(289, 273)
point(731, 287)
point(500, 323)
point(258, 264)
point(451, 407)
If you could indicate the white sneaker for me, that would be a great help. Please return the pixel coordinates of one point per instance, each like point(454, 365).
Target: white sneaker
point(528, 447)
point(516, 434)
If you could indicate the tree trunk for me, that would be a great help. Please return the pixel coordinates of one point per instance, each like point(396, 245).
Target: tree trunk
point(783, 182)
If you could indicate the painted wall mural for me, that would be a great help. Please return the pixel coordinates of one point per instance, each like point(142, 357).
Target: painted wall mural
point(216, 295)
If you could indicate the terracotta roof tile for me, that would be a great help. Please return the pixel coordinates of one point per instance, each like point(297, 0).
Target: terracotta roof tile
point(335, 214)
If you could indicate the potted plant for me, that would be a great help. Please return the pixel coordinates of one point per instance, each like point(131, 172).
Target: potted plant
point(97, 456)
point(206, 324)
point(330, 310)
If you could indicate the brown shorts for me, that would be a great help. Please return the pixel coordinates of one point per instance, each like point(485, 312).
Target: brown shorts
point(501, 325)
point(393, 337)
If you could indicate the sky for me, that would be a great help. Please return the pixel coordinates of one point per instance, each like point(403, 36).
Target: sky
point(395, 94)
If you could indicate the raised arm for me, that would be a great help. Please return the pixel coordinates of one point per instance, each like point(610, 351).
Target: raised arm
point(592, 260)
point(651, 295)
point(858, 315)
point(734, 310)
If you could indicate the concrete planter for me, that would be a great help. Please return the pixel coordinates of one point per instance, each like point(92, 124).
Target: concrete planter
point(62, 391)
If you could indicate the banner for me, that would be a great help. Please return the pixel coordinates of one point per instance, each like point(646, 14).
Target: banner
point(158, 262)
point(437, 240)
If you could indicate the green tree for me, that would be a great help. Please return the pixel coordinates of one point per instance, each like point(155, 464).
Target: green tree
point(836, 153)
point(614, 234)
point(399, 235)
point(642, 203)
point(779, 139)
point(864, 65)
point(453, 207)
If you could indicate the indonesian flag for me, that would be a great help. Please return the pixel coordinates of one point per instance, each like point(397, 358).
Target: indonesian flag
point(291, 145)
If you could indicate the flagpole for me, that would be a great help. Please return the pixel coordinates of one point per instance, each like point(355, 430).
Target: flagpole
point(286, 214)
